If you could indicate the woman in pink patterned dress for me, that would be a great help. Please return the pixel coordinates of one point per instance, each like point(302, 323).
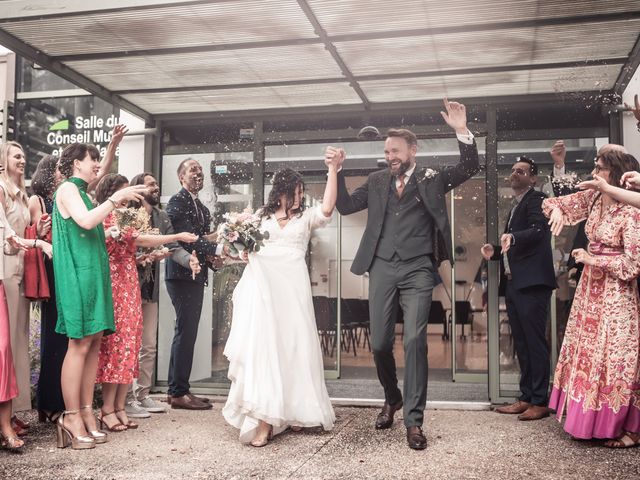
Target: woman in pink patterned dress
point(597, 378)
point(118, 363)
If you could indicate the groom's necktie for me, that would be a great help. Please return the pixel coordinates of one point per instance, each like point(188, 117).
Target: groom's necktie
point(400, 186)
point(199, 213)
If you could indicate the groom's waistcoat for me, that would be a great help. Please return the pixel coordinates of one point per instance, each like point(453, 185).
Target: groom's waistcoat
point(407, 228)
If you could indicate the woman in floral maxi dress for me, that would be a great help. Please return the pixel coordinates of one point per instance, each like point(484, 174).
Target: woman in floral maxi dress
point(597, 378)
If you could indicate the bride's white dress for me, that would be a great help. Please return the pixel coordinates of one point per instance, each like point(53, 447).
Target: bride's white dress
point(275, 361)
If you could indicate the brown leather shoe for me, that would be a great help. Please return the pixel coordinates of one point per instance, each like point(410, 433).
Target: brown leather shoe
point(416, 438)
point(187, 403)
point(385, 417)
point(200, 399)
point(169, 397)
point(534, 412)
point(518, 407)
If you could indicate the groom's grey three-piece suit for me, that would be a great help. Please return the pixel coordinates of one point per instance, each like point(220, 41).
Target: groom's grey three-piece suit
point(405, 240)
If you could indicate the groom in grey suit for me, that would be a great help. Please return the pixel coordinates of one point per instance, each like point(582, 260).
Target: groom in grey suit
point(406, 238)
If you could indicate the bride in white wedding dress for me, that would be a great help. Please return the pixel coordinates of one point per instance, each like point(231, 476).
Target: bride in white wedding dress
point(275, 361)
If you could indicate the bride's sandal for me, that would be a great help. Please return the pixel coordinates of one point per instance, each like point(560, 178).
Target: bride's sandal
point(295, 428)
point(624, 441)
point(261, 442)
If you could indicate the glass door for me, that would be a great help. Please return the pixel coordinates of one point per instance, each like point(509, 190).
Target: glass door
point(227, 188)
point(469, 282)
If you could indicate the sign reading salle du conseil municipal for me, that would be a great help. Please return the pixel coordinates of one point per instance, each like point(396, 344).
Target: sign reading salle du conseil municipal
point(92, 129)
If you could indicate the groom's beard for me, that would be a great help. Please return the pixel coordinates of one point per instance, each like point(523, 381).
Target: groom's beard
point(402, 168)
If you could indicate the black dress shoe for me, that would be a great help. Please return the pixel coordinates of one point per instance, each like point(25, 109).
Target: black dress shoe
point(385, 417)
point(416, 439)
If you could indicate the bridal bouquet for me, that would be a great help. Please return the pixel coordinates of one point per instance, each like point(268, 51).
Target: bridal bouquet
point(241, 231)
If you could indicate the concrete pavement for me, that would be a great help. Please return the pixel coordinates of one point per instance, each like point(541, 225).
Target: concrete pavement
point(200, 445)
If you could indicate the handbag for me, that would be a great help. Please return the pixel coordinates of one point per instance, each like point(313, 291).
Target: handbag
point(36, 284)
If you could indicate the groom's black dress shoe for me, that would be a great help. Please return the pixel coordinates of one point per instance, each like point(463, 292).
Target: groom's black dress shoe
point(385, 417)
point(416, 439)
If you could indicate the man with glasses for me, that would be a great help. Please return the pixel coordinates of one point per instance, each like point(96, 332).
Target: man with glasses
point(527, 279)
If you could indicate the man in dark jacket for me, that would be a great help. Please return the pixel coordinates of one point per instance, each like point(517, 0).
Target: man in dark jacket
point(527, 279)
point(188, 214)
point(406, 237)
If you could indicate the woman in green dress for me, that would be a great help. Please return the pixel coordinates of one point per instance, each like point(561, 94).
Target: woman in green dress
point(83, 288)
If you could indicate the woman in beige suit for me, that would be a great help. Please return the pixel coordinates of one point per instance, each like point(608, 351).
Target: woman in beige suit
point(14, 202)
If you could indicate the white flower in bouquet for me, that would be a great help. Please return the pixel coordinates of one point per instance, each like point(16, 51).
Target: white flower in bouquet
point(241, 231)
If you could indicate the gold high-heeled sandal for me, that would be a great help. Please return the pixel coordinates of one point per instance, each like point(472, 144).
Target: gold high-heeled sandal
point(97, 435)
point(66, 438)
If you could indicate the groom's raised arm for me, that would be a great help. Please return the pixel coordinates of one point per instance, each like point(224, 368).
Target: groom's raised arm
point(351, 203)
point(456, 117)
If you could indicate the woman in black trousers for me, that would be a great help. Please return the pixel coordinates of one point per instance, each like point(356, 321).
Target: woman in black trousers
point(53, 346)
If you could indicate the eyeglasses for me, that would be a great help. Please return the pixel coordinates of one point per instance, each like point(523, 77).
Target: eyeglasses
point(599, 168)
point(519, 171)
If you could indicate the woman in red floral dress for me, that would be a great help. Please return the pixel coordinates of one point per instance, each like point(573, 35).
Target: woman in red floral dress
point(118, 363)
point(597, 378)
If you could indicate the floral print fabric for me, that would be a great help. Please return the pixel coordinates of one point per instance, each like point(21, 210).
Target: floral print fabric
point(119, 352)
point(597, 376)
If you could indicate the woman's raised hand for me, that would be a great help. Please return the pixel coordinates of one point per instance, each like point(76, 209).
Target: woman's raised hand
point(598, 183)
point(334, 157)
point(631, 180)
point(128, 194)
point(556, 221)
point(186, 237)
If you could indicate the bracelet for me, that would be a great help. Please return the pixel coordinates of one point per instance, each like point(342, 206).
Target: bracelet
point(35, 242)
point(113, 202)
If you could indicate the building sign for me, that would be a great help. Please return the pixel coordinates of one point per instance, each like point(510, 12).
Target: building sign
point(46, 126)
point(93, 129)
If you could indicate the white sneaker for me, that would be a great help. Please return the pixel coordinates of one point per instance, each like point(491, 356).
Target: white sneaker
point(150, 405)
point(135, 410)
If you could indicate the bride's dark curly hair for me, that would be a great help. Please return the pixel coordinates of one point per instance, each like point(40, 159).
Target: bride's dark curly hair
point(284, 182)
